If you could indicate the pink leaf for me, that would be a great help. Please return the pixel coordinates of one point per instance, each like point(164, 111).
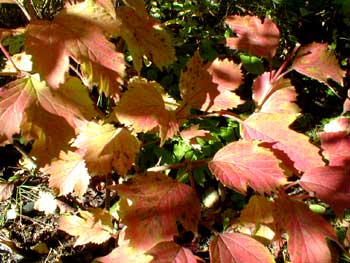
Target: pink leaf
point(171, 252)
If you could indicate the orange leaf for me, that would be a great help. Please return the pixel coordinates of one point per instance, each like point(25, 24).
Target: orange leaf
point(68, 174)
point(157, 203)
point(238, 248)
point(104, 147)
point(143, 108)
point(209, 87)
point(171, 252)
point(258, 211)
point(316, 61)
point(93, 226)
point(73, 33)
point(253, 36)
point(307, 232)
point(125, 254)
point(145, 37)
point(274, 128)
point(243, 162)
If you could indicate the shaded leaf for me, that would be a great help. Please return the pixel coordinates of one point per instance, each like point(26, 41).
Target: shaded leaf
point(104, 147)
point(6, 190)
point(158, 202)
point(243, 162)
point(138, 6)
point(316, 61)
point(331, 185)
point(145, 37)
point(142, 107)
point(258, 211)
point(170, 252)
point(93, 226)
point(274, 128)
point(73, 33)
point(209, 87)
point(51, 134)
point(307, 232)
point(253, 36)
point(238, 248)
point(68, 174)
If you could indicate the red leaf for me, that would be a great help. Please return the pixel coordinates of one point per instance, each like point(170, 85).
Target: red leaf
point(170, 252)
point(104, 147)
point(316, 61)
point(209, 87)
point(143, 108)
point(238, 248)
point(253, 36)
point(243, 162)
point(73, 33)
point(157, 203)
point(274, 128)
point(274, 97)
point(93, 226)
point(331, 184)
point(307, 232)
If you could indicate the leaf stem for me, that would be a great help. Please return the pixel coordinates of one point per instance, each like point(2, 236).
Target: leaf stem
point(9, 58)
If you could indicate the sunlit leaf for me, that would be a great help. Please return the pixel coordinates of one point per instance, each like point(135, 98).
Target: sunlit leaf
point(68, 174)
point(260, 38)
point(105, 147)
point(274, 128)
point(93, 226)
point(244, 163)
point(171, 252)
point(307, 232)
point(238, 248)
point(316, 61)
point(157, 203)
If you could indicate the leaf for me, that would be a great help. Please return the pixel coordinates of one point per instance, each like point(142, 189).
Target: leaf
point(253, 36)
point(51, 134)
point(243, 162)
point(70, 102)
point(307, 232)
point(274, 97)
point(105, 147)
point(93, 226)
point(73, 33)
point(209, 87)
point(331, 185)
point(158, 202)
point(274, 128)
point(46, 203)
point(190, 134)
point(6, 190)
point(169, 252)
point(125, 254)
point(316, 61)
point(138, 6)
point(258, 211)
point(143, 108)
point(238, 248)
point(336, 147)
point(144, 36)
point(68, 174)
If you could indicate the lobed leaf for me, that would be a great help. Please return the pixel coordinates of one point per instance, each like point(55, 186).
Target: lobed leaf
point(171, 252)
point(244, 162)
point(93, 226)
point(316, 61)
point(258, 211)
point(274, 128)
point(68, 174)
point(253, 36)
point(104, 147)
point(238, 248)
point(157, 203)
point(208, 87)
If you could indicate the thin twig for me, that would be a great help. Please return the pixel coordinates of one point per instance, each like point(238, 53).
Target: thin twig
point(9, 58)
